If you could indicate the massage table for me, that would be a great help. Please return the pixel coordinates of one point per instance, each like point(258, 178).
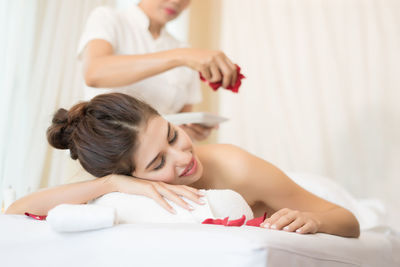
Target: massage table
point(28, 242)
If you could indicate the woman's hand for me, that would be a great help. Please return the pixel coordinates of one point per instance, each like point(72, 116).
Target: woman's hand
point(293, 221)
point(196, 131)
point(158, 191)
point(214, 65)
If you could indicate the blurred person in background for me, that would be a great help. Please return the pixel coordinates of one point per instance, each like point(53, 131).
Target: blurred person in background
point(130, 51)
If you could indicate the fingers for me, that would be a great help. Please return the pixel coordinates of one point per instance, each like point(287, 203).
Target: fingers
point(187, 192)
point(194, 190)
point(155, 195)
point(206, 73)
point(294, 226)
point(308, 228)
point(215, 66)
point(227, 72)
point(270, 221)
point(281, 218)
point(175, 198)
point(159, 191)
point(233, 69)
point(171, 195)
point(291, 221)
point(215, 72)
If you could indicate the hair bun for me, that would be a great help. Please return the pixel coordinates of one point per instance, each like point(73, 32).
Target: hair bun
point(56, 132)
point(59, 134)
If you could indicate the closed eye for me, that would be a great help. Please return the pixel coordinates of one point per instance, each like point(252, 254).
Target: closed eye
point(159, 166)
point(173, 138)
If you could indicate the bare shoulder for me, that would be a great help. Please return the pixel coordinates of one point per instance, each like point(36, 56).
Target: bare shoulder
point(218, 148)
point(256, 179)
point(225, 154)
point(227, 163)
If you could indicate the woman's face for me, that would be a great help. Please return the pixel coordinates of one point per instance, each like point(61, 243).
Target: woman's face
point(165, 153)
point(163, 11)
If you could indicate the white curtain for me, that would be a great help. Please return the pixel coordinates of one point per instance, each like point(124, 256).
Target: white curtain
point(38, 74)
point(322, 90)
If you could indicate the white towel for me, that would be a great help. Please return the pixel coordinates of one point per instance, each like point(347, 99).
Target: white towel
point(125, 208)
point(227, 203)
point(73, 218)
point(141, 209)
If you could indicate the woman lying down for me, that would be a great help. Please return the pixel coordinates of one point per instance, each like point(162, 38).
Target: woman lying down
point(133, 150)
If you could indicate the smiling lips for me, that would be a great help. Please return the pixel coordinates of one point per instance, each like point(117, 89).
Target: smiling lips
point(170, 11)
point(190, 168)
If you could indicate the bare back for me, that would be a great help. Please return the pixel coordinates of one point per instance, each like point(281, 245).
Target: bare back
point(262, 185)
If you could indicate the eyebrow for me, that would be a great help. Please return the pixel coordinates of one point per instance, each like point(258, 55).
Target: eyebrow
point(155, 158)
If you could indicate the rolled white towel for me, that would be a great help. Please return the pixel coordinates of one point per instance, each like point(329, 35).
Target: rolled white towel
point(74, 218)
point(141, 209)
point(125, 208)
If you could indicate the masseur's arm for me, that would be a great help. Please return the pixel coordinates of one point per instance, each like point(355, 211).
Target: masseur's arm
point(297, 210)
point(103, 68)
point(42, 201)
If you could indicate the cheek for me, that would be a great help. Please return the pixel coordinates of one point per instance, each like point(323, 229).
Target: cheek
point(166, 175)
point(184, 137)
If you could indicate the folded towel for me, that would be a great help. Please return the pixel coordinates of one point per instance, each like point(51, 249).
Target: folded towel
point(141, 209)
point(73, 218)
point(125, 208)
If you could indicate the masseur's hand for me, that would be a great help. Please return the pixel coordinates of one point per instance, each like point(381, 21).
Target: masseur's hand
point(214, 65)
point(158, 191)
point(196, 131)
point(292, 221)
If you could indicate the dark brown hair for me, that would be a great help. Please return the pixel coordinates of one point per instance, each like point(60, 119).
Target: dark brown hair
point(101, 133)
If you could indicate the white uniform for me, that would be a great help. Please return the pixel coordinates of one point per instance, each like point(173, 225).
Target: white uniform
point(127, 32)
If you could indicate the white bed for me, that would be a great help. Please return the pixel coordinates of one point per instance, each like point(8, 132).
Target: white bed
point(27, 242)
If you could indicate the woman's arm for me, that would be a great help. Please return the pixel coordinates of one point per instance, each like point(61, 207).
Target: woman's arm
point(42, 201)
point(103, 68)
point(296, 208)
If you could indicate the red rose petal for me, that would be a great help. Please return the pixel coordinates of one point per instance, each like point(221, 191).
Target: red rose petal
point(238, 222)
point(36, 217)
point(257, 221)
point(216, 221)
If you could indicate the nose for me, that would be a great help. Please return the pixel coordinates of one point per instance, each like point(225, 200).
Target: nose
point(181, 158)
point(179, 2)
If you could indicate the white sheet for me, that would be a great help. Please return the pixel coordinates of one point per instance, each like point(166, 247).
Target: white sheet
point(26, 242)
point(370, 213)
